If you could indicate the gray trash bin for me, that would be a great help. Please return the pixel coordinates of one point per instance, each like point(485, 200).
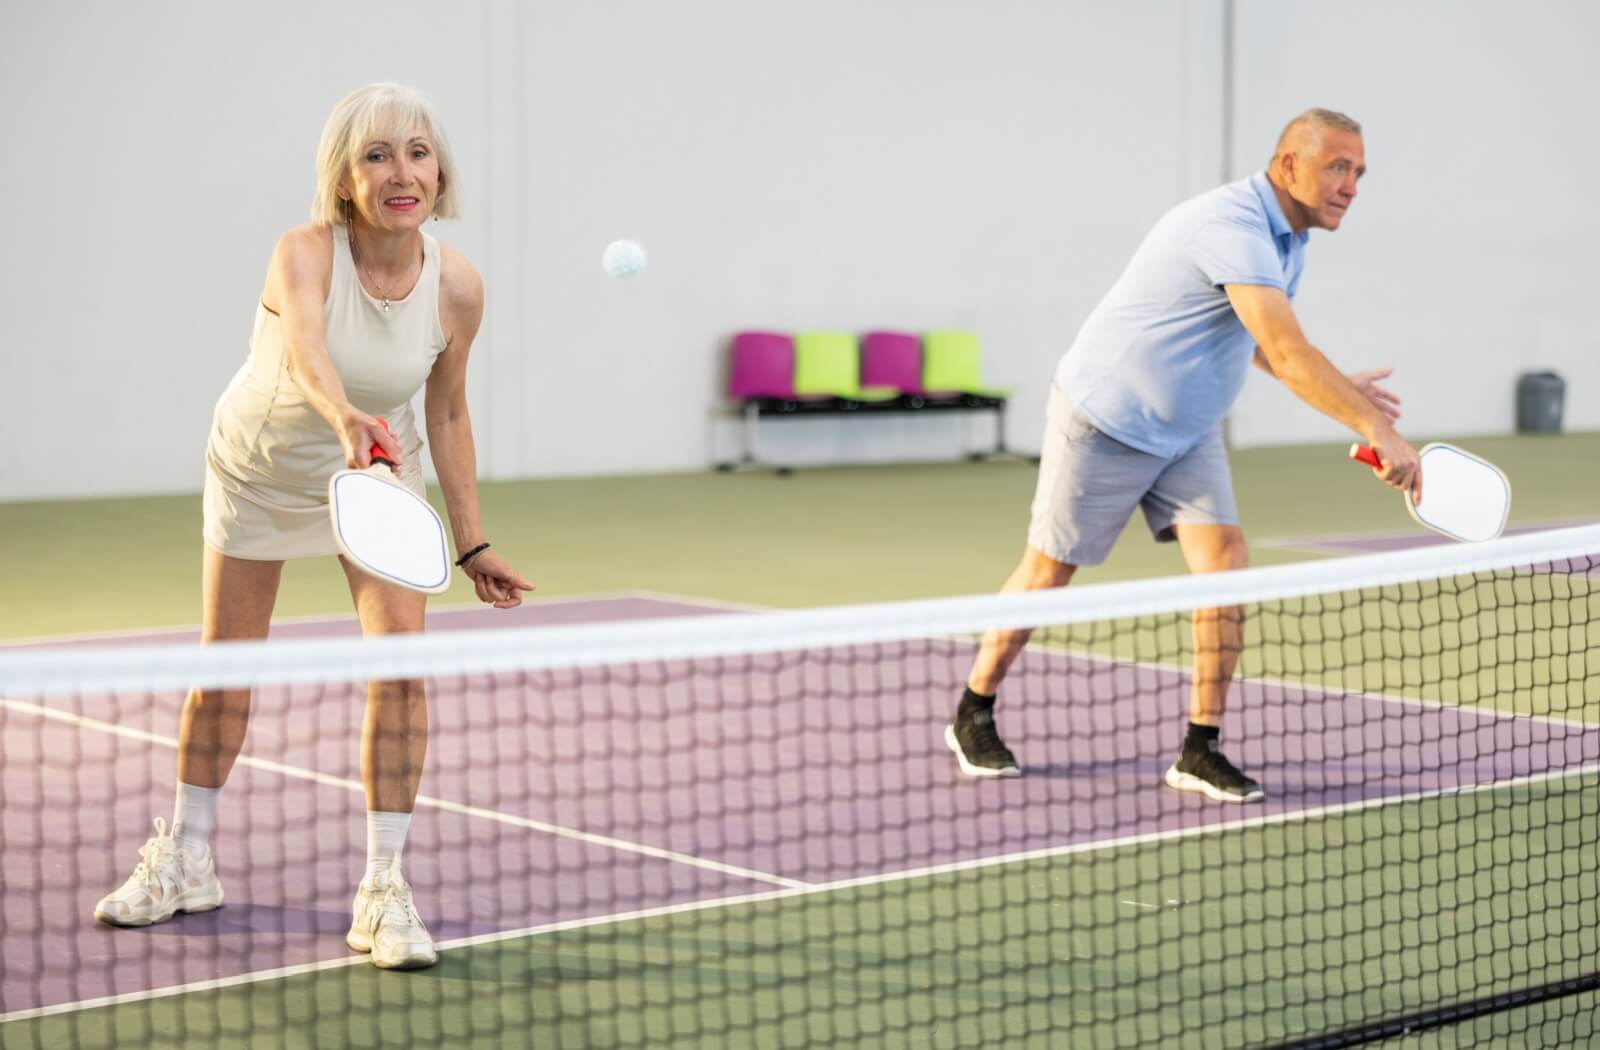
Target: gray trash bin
point(1540, 396)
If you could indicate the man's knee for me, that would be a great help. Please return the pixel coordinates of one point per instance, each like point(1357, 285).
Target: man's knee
point(1040, 571)
point(1234, 554)
point(1213, 548)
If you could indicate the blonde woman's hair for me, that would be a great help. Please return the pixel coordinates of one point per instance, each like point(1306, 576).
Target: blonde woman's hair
point(357, 119)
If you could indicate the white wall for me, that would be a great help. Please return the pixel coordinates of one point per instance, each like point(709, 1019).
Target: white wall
point(154, 152)
point(832, 164)
point(819, 164)
point(827, 163)
point(1469, 255)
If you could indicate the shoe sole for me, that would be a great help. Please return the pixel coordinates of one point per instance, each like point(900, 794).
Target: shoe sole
point(204, 904)
point(1190, 782)
point(967, 767)
point(410, 962)
point(361, 944)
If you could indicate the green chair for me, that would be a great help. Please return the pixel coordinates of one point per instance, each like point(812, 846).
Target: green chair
point(829, 364)
point(950, 366)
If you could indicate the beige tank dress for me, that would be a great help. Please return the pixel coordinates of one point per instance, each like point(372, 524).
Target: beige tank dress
point(270, 455)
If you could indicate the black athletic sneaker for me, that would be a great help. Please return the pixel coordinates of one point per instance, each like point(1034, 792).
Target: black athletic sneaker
point(979, 748)
point(1210, 773)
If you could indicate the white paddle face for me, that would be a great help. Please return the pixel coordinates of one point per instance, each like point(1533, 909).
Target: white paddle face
point(1464, 497)
point(387, 531)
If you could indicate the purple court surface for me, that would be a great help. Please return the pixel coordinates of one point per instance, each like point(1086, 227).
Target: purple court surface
point(567, 796)
point(1408, 539)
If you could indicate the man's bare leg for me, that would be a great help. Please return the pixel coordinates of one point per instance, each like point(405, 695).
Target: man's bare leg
point(972, 735)
point(1035, 572)
point(1218, 639)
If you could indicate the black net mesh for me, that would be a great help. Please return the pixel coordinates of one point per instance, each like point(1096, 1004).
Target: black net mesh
point(775, 847)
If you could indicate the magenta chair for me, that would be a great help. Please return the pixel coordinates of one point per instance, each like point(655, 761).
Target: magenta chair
point(894, 360)
point(762, 366)
point(761, 369)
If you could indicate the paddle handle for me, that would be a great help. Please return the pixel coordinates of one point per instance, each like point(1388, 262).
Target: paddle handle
point(376, 453)
point(1364, 454)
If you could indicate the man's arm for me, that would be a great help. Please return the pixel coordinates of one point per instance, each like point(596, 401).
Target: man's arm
point(1365, 382)
point(1283, 351)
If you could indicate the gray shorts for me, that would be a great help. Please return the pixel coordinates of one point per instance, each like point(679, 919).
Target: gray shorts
point(1090, 482)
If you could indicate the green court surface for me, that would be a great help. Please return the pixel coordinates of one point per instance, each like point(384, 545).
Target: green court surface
point(1524, 645)
point(1409, 900)
point(820, 537)
point(1396, 905)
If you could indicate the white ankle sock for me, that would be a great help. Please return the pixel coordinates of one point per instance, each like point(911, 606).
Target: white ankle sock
point(194, 814)
point(386, 837)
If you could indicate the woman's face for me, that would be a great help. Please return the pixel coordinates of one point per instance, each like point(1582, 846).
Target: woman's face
point(395, 180)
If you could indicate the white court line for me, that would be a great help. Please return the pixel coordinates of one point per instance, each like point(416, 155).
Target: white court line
point(46, 672)
point(454, 608)
point(1325, 692)
point(254, 977)
point(1322, 691)
point(445, 805)
point(954, 867)
point(801, 889)
point(703, 603)
point(1329, 543)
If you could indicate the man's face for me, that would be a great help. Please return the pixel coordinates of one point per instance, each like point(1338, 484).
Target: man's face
point(1323, 181)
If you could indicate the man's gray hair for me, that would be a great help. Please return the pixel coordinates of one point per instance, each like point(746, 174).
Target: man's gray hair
point(1313, 121)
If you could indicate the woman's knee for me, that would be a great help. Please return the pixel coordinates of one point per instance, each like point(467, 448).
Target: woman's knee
point(237, 597)
point(214, 702)
point(397, 689)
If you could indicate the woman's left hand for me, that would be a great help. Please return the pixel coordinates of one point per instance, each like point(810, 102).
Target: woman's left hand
point(495, 581)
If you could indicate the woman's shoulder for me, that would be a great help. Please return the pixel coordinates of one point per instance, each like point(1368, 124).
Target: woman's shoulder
point(301, 260)
point(460, 284)
point(311, 238)
point(307, 248)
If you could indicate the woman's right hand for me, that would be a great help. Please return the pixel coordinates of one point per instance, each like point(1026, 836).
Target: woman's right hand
point(358, 432)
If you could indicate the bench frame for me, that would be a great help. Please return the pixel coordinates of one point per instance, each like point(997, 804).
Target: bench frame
point(753, 410)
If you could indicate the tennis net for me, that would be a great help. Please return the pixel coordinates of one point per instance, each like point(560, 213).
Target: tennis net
point(745, 828)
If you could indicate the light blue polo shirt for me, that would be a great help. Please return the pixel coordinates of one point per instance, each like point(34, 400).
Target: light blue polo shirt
point(1160, 360)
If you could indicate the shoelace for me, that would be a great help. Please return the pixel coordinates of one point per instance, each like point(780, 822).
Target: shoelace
point(1216, 763)
point(985, 737)
point(156, 854)
point(396, 906)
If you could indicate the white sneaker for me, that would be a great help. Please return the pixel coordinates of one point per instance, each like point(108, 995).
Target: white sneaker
point(168, 880)
point(387, 925)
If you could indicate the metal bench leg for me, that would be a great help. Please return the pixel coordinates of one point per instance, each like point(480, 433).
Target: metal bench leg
point(1001, 449)
point(750, 431)
point(749, 438)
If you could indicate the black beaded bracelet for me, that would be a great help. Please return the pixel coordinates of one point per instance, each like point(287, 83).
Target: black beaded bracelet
point(461, 562)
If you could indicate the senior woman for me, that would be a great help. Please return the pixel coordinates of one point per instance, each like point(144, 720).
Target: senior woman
point(361, 308)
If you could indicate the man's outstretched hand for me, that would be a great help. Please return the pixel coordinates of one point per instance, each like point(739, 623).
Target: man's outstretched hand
point(1381, 397)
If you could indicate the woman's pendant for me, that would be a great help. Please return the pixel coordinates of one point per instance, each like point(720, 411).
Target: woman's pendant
point(385, 304)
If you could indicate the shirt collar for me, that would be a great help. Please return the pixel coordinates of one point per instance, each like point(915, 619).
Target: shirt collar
point(1276, 220)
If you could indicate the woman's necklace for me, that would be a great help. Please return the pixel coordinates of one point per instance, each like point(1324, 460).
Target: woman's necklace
point(355, 253)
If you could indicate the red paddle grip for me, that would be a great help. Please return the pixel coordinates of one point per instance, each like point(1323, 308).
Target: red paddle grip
point(376, 453)
point(1364, 454)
